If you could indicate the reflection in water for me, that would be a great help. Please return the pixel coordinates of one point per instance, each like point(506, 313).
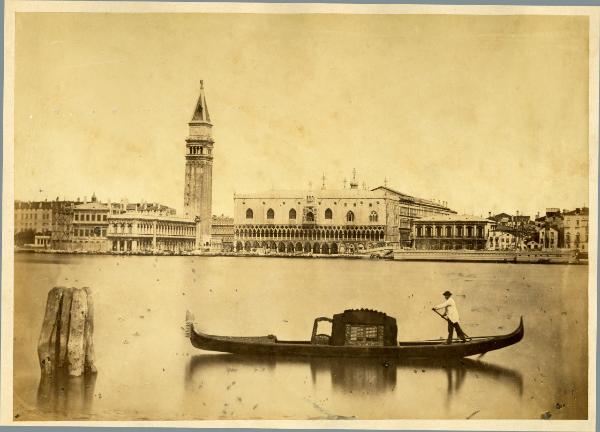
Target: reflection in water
point(65, 395)
point(356, 374)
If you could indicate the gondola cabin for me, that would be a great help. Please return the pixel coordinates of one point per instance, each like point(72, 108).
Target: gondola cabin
point(358, 327)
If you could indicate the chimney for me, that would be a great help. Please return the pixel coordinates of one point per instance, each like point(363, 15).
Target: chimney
point(489, 215)
point(85, 199)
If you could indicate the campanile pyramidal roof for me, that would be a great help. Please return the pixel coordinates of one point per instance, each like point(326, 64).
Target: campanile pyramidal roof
point(201, 111)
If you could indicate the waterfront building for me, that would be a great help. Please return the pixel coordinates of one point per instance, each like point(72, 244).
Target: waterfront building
point(222, 233)
point(82, 226)
point(42, 241)
point(576, 229)
point(553, 218)
point(62, 226)
point(504, 238)
point(452, 231)
point(197, 197)
point(36, 216)
point(326, 221)
point(150, 232)
point(511, 221)
point(549, 237)
point(89, 223)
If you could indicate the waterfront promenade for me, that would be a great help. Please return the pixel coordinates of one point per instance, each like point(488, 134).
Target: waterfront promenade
point(524, 256)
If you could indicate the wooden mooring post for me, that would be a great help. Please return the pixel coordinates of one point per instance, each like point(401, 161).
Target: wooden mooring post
point(66, 339)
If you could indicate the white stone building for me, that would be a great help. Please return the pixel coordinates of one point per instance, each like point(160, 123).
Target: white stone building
point(150, 233)
point(326, 221)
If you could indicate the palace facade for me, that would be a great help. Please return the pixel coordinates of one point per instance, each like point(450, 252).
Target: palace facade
point(326, 221)
point(150, 232)
point(452, 232)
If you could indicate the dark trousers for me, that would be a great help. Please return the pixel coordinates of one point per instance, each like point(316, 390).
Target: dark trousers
point(459, 332)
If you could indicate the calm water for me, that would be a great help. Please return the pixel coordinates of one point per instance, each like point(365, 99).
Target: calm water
point(148, 370)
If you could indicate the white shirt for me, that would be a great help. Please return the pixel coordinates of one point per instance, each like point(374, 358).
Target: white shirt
point(451, 311)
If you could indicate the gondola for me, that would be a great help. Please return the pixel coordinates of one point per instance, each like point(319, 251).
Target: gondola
point(354, 333)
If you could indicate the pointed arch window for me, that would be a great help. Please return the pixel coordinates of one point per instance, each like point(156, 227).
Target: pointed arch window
point(270, 214)
point(292, 214)
point(373, 217)
point(350, 216)
point(328, 214)
point(249, 214)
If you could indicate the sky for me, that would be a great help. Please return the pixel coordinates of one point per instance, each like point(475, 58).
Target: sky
point(488, 113)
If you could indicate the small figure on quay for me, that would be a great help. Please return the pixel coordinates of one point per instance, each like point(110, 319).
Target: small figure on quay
point(451, 315)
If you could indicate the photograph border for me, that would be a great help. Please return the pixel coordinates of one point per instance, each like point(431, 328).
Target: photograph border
point(470, 8)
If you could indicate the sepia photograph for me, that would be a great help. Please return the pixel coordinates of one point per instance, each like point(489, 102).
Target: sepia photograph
point(300, 215)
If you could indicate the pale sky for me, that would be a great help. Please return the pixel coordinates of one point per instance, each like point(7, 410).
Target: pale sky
point(489, 113)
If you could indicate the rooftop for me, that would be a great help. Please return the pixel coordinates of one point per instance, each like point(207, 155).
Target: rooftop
point(317, 193)
point(584, 211)
point(454, 218)
point(352, 193)
point(91, 206)
point(411, 198)
point(152, 216)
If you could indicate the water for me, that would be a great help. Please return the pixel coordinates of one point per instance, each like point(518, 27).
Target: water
point(147, 370)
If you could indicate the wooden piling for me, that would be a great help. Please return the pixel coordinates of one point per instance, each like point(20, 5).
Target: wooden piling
point(66, 339)
point(47, 342)
point(89, 332)
point(63, 325)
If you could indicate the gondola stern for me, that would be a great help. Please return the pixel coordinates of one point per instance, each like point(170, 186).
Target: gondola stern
point(521, 329)
point(189, 324)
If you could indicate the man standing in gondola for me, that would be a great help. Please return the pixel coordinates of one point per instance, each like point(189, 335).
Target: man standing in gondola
point(451, 315)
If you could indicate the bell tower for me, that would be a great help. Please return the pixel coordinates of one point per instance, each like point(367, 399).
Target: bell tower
point(197, 197)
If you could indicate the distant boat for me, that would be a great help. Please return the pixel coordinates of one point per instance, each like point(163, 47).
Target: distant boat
point(354, 333)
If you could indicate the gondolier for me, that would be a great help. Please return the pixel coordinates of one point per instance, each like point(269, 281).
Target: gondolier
point(451, 315)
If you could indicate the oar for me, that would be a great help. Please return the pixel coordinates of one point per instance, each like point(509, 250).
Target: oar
point(441, 316)
point(446, 319)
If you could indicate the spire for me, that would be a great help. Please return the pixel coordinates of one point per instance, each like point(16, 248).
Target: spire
point(201, 111)
point(353, 183)
point(323, 185)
